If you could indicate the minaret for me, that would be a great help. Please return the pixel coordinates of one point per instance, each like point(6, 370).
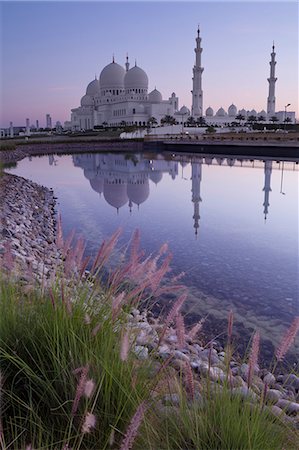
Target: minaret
point(267, 189)
point(197, 109)
point(11, 129)
point(127, 63)
point(272, 81)
point(196, 199)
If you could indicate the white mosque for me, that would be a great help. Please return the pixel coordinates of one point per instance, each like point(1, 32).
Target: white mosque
point(120, 95)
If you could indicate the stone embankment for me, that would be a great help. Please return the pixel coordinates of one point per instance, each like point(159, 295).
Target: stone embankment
point(27, 233)
point(21, 151)
point(279, 394)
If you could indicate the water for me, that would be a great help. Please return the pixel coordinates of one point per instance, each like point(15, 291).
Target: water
point(231, 224)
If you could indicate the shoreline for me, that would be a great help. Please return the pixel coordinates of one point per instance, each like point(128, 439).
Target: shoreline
point(217, 145)
point(28, 228)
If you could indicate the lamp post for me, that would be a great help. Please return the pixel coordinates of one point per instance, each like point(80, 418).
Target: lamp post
point(285, 115)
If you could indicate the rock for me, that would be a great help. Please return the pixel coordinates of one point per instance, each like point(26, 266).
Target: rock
point(290, 408)
point(171, 400)
point(216, 374)
point(269, 379)
point(278, 412)
point(244, 392)
point(273, 395)
point(290, 380)
point(181, 356)
point(141, 352)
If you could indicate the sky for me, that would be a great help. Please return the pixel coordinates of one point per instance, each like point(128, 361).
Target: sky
point(51, 50)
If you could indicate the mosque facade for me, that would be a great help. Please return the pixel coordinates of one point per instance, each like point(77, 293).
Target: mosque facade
point(120, 96)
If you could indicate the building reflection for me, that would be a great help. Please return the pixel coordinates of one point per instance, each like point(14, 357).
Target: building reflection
point(125, 179)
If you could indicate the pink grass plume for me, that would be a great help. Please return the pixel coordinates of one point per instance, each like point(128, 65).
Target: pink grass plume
point(172, 313)
point(59, 234)
point(116, 304)
point(125, 346)
point(230, 326)
point(89, 423)
point(80, 388)
point(132, 430)
point(253, 358)
point(195, 329)
point(180, 330)
point(287, 340)
point(89, 388)
point(189, 380)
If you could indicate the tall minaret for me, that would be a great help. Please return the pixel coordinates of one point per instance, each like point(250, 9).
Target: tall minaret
point(272, 81)
point(197, 110)
point(196, 199)
point(267, 188)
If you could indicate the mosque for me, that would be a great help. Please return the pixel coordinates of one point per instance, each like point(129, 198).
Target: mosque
point(120, 96)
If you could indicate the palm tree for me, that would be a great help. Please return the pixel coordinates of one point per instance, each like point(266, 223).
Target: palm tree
point(287, 120)
point(261, 118)
point(168, 120)
point(273, 119)
point(252, 119)
point(191, 121)
point(201, 121)
point(240, 117)
point(152, 121)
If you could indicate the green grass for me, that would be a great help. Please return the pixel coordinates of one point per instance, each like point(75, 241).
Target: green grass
point(42, 343)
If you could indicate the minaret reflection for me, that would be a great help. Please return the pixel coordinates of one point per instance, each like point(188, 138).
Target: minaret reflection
point(196, 167)
point(267, 189)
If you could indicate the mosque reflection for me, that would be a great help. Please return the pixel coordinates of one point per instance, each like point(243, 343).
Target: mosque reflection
point(125, 179)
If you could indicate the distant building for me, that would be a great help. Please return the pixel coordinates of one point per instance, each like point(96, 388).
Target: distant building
point(48, 121)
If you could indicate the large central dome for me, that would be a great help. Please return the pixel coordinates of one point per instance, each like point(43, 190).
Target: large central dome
point(136, 78)
point(112, 76)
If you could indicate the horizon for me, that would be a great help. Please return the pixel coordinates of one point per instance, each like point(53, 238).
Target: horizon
point(51, 51)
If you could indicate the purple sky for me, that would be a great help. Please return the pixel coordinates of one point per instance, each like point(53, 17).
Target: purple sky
point(52, 50)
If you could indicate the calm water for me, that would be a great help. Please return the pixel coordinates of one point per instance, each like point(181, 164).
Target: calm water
point(231, 224)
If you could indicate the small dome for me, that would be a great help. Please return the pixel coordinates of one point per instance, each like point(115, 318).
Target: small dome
point(263, 113)
point(156, 176)
point(253, 112)
point(221, 112)
point(136, 78)
point(112, 76)
point(209, 112)
point(115, 194)
point(232, 110)
point(138, 191)
point(243, 112)
point(93, 88)
point(184, 110)
point(97, 184)
point(86, 100)
point(155, 96)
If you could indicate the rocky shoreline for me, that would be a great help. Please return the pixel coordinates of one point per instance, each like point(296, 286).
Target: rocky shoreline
point(277, 393)
point(27, 234)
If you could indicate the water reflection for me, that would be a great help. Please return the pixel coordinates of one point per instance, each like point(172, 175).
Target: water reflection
point(124, 179)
